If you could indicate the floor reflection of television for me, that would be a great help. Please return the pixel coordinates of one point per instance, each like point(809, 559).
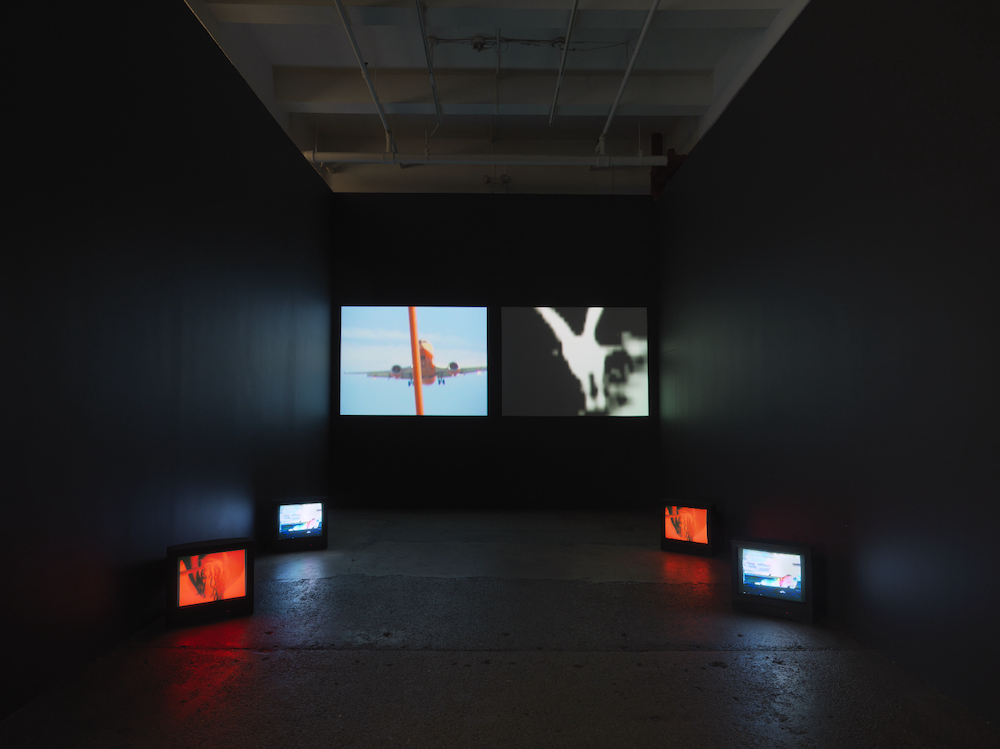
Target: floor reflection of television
point(209, 580)
point(300, 524)
point(688, 528)
point(775, 578)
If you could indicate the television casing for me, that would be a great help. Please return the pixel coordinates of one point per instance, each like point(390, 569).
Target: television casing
point(691, 547)
point(301, 543)
point(209, 611)
point(750, 602)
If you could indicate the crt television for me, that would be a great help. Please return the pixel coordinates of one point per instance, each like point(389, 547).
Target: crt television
point(774, 578)
point(209, 580)
point(689, 528)
point(300, 523)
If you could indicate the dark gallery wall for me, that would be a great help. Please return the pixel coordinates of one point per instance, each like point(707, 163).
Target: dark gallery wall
point(496, 251)
point(829, 327)
point(826, 321)
point(165, 350)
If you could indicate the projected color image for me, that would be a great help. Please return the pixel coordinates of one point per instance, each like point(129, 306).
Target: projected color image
point(686, 524)
point(575, 361)
point(376, 361)
point(770, 574)
point(300, 521)
point(211, 577)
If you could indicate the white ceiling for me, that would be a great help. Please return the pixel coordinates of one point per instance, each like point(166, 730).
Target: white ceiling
point(495, 100)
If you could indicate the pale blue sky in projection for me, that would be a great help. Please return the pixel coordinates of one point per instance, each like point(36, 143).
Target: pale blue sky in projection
point(376, 338)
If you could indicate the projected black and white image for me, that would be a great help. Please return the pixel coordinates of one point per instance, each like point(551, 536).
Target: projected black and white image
point(575, 361)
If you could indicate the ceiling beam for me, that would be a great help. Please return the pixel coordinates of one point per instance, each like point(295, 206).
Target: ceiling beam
point(628, 72)
point(334, 90)
point(389, 145)
point(484, 159)
point(551, 15)
point(427, 56)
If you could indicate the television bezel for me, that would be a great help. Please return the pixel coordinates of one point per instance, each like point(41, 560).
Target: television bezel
point(210, 611)
point(690, 547)
point(305, 543)
point(803, 610)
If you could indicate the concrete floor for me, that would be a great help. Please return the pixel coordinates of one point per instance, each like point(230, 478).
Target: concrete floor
point(494, 630)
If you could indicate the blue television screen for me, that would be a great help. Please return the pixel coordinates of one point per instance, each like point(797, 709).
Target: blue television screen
point(300, 520)
point(771, 574)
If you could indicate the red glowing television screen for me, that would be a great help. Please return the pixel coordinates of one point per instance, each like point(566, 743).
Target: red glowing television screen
point(771, 577)
point(300, 524)
point(688, 528)
point(209, 580)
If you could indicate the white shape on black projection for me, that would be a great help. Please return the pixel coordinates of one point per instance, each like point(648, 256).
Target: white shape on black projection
point(584, 355)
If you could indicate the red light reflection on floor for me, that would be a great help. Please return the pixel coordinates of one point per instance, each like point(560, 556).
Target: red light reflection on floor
point(228, 633)
point(686, 568)
point(204, 681)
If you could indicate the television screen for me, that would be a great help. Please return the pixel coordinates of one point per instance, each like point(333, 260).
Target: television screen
point(575, 361)
point(300, 523)
point(772, 574)
point(686, 524)
point(377, 361)
point(209, 580)
point(300, 520)
point(211, 577)
point(688, 529)
point(773, 577)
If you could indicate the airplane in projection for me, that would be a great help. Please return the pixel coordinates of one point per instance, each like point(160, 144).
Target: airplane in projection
point(428, 371)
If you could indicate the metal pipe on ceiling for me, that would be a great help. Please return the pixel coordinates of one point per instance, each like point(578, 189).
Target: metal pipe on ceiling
point(427, 54)
point(628, 72)
point(485, 159)
point(562, 61)
point(390, 145)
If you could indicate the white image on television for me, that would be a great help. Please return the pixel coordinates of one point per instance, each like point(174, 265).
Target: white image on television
point(300, 517)
point(777, 570)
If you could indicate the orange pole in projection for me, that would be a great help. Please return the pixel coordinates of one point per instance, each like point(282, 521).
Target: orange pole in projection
point(418, 382)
